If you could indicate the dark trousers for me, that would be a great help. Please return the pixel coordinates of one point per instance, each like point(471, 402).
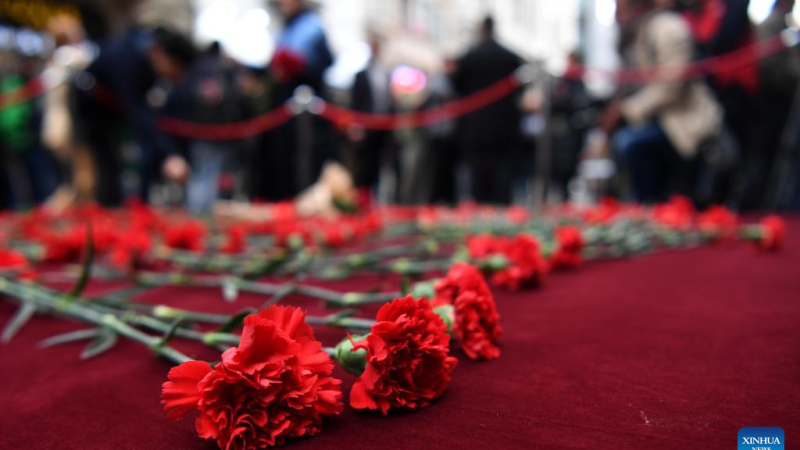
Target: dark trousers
point(773, 111)
point(655, 167)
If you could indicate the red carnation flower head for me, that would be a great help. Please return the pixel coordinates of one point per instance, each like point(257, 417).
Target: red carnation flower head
point(64, 247)
point(719, 222)
point(773, 233)
point(465, 299)
point(131, 249)
point(517, 214)
point(406, 362)
point(525, 265)
point(12, 259)
point(236, 240)
point(188, 235)
point(607, 209)
point(677, 213)
point(482, 245)
point(569, 246)
point(275, 385)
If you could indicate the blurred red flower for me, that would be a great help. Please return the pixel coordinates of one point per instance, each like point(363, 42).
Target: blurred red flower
point(773, 233)
point(476, 324)
point(526, 266)
point(718, 221)
point(569, 245)
point(12, 259)
point(188, 235)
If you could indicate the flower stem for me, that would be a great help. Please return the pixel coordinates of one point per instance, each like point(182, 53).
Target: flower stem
point(83, 312)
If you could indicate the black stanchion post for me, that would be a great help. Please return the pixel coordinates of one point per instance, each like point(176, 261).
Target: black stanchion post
point(544, 146)
point(302, 103)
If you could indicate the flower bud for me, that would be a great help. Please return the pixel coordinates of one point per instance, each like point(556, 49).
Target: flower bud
point(447, 313)
point(496, 262)
point(353, 362)
point(424, 289)
point(165, 312)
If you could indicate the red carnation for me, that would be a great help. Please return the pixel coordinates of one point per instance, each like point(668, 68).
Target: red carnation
point(517, 214)
point(236, 241)
point(482, 245)
point(475, 319)
point(525, 268)
point(275, 385)
point(408, 365)
point(569, 245)
point(773, 233)
point(676, 213)
point(186, 236)
point(65, 247)
point(12, 259)
point(131, 249)
point(719, 222)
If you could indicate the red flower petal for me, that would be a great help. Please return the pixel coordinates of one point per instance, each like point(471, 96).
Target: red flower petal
point(180, 395)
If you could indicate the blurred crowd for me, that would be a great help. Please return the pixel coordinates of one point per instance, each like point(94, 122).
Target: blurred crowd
point(96, 134)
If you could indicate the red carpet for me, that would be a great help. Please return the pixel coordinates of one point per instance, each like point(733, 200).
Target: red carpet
point(677, 350)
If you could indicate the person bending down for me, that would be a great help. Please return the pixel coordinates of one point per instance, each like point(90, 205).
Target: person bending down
point(659, 127)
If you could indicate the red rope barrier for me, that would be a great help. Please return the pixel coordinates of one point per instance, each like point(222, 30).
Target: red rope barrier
point(341, 116)
point(226, 131)
point(344, 116)
point(715, 65)
point(23, 94)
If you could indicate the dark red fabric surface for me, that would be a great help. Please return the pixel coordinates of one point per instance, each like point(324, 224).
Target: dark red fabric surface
point(675, 350)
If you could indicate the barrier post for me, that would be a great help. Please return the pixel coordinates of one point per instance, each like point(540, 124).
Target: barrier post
point(781, 182)
point(541, 182)
point(302, 104)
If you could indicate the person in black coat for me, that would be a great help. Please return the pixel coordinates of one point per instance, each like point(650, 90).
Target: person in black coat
point(489, 136)
point(370, 94)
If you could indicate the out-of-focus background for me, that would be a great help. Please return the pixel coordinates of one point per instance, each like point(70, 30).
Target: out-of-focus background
point(189, 102)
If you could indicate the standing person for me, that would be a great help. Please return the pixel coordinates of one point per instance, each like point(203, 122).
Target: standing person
point(301, 57)
point(779, 76)
point(570, 113)
point(255, 90)
point(371, 93)
point(114, 91)
point(73, 53)
point(665, 122)
point(489, 135)
point(720, 27)
point(209, 94)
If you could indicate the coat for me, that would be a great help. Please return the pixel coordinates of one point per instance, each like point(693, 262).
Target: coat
point(686, 109)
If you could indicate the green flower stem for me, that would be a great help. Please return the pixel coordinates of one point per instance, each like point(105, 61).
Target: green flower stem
point(404, 266)
point(363, 298)
point(170, 313)
point(256, 287)
point(751, 232)
point(352, 323)
point(330, 351)
point(177, 279)
point(328, 295)
point(356, 260)
point(83, 312)
point(157, 325)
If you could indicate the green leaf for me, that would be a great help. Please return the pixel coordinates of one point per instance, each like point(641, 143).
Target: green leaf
point(21, 317)
point(86, 268)
point(72, 336)
point(104, 340)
